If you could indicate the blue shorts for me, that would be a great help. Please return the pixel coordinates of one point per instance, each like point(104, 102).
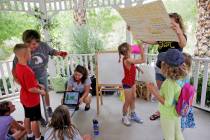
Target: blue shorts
point(126, 86)
point(10, 137)
point(43, 81)
point(160, 77)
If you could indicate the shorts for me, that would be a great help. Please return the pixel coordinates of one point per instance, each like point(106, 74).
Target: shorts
point(43, 81)
point(10, 137)
point(158, 75)
point(33, 113)
point(126, 86)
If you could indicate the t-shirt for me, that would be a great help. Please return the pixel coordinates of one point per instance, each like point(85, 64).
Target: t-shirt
point(170, 91)
point(49, 135)
point(79, 87)
point(39, 59)
point(183, 81)
point(5, 123)
point(165, 45)
point(27, 80)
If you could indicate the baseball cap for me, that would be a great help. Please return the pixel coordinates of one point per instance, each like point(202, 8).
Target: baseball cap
point(172, 57)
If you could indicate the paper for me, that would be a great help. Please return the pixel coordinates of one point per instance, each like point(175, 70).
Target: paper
point(149, 22)
point(148, 74)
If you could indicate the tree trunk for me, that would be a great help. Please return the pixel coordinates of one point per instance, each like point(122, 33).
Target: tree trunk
point(203, 29)
point(79, 12)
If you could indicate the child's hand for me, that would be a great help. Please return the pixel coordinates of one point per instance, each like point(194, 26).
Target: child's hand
point(128, 28)
point(151, 87)
point(41, 86)
point(42, 92)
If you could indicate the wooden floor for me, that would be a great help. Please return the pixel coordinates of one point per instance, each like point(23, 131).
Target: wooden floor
point(110, 121)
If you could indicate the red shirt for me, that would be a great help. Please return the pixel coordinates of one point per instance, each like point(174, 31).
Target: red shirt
point(27, 80)
point(130, 75)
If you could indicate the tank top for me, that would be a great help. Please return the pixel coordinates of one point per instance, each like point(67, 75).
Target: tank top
point(129, 74)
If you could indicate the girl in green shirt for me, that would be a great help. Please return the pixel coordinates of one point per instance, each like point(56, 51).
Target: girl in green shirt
point(173, 68)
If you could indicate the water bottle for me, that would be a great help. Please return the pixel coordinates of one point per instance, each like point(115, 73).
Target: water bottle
point(95, 127)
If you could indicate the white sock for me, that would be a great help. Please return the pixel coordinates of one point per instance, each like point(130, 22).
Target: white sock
point(30, 135)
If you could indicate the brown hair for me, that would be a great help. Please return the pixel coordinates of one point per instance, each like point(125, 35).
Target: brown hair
point(123, 50)
point(19, 47)
point(178, 19)
point(83, 71)
point(29, 35)
point(187, 60)
point(61, 124)
point(173, 72)
point(4, 108)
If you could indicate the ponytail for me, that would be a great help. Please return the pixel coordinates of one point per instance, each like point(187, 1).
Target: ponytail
point(119, 58)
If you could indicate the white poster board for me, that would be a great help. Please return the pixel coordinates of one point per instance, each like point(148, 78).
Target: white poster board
point(148, 74)
point(110, 71)
point(149, 22)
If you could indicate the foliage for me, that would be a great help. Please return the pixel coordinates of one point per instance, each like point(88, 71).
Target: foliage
point(85, 40)
point(102, 19)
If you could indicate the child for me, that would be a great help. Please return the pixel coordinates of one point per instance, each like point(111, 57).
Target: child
point(7, 122)
point(188, 121)
point(40, 52)
point(128, 82)
point(30, 92)
point(178, 26)
point(173, 68)
point(61, 128)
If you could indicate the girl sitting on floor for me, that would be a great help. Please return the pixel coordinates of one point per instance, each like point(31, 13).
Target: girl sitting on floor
point(61, 128)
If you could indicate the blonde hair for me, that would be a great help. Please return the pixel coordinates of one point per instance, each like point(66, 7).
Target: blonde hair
point(173, 72)
point(123, 50)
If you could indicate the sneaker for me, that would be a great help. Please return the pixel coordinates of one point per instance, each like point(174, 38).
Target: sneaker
point(49, 111)
point(126, 121)
point(87, 107)
point(43, 122)
point(42, 138)
point(134, 117)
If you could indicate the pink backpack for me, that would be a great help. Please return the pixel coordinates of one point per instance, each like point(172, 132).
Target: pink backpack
point(185, 100)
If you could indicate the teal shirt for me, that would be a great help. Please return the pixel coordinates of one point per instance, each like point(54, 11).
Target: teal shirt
point(170, 91)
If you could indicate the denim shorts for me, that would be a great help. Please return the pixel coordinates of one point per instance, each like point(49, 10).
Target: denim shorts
point(160, 77)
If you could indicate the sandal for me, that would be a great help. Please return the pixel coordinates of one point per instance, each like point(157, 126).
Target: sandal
point(154, 117)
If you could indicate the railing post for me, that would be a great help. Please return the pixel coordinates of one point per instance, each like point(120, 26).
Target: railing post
point(204, 85)
point(4, 79)
point(196, 76)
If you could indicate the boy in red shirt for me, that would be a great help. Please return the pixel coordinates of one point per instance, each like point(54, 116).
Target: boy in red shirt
point(30, 92)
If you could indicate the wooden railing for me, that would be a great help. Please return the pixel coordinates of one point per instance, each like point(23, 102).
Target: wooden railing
point(65, 67)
